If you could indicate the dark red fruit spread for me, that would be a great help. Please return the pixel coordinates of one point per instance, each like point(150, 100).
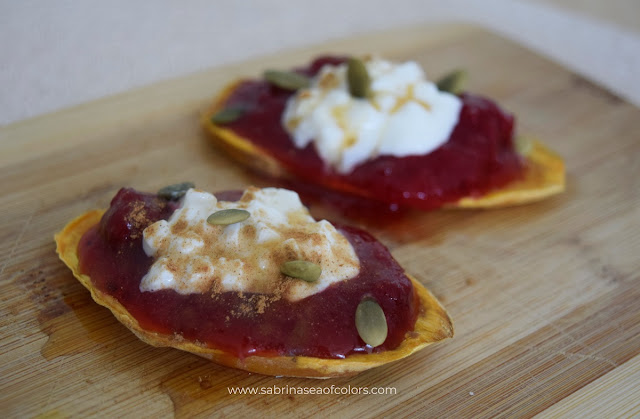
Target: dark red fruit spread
point(321, 325)
point(478, 157)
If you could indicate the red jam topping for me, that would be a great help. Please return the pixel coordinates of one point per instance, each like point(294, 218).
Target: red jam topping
point(321, 325)
point(478, 157)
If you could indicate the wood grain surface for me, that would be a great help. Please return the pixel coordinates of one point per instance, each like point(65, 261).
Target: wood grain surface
point(544, 297)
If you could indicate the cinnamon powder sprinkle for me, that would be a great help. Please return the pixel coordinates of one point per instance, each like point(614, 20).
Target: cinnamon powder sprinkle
point(245, 257)
point(137, 218)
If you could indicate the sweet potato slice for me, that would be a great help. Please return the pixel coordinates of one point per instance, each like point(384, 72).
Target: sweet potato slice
point(433, 324)
point(544, 172)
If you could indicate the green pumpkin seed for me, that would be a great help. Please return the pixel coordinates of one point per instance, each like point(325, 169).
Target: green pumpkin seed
point(228, 216)
point(227, 115)
point(453, 82)
point(175, 192)
point(522, 145)
point(358, 78)
point(371, 322)
point(301, 269)
point(288, 80)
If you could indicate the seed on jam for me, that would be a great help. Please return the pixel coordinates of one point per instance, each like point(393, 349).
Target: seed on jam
point(453, 82)
point(371, 322)
point(176, 191)
point(227, 115)
point(287, 80)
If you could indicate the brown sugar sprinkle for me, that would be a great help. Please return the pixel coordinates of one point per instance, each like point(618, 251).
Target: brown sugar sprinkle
point(287, 251)
point(179, 227)
point(216, 288)
point(244, 310)
point(260, 262)
point(301, 236)
point(249, 194)
point(261, 304)
point(253, 305)
point(304, 94)
point(293, 123)
point(296, 217)
point(248, 232)
point(328, 81)
point(173, 267)
point(349, 141)
point(137, 218)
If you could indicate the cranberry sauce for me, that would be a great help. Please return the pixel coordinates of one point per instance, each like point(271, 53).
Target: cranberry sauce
point(478, 157)
point(322, 325)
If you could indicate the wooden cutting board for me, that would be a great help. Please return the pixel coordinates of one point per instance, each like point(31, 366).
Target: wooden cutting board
point(545, 297)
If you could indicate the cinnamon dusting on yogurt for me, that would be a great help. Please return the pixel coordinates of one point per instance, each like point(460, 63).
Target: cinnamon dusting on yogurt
point(192, 256)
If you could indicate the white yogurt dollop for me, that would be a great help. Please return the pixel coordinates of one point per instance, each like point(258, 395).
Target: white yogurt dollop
point(405, 115)
point(192, 256)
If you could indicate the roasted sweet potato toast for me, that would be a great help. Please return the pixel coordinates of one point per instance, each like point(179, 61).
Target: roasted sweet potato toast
point(432, 325)
point(263, 149)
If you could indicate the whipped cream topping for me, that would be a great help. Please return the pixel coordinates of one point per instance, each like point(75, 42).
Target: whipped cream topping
point(405, 115)
point(192, 256)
